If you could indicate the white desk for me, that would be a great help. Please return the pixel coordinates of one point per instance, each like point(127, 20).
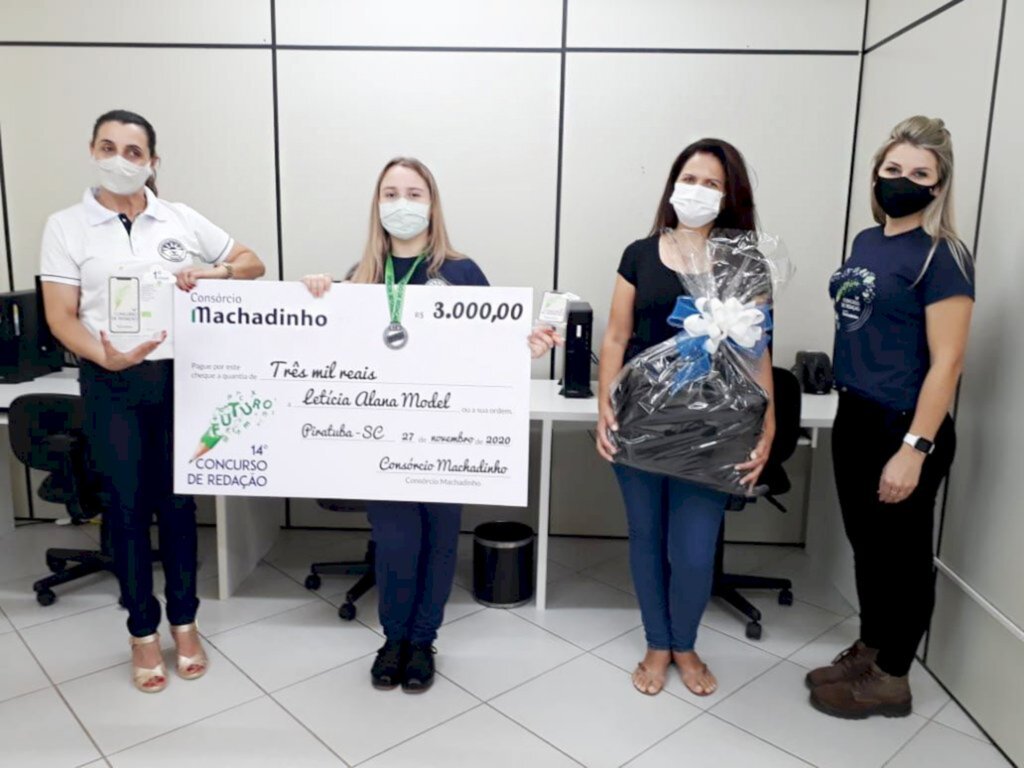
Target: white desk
point(248, 527)
point(547, 407)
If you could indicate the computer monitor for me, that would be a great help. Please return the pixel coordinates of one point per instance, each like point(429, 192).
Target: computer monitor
point(27, 347)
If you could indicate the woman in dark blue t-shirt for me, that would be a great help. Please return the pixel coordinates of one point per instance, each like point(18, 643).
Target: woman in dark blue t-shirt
point(903, 304)
point(415, 544)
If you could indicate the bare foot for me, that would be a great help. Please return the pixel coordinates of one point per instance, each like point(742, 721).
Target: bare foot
point(649, 675)
point(695, 673)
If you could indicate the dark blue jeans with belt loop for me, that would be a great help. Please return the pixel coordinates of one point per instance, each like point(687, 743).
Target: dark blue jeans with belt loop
point(129, 427)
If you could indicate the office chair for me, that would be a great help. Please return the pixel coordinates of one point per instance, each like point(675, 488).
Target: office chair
point(46, 434)
point(362, 568)
point(787, 431)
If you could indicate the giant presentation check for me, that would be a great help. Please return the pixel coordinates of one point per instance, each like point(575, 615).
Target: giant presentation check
point(278, 393)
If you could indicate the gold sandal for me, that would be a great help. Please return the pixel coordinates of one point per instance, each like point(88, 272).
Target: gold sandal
point(152, 680)
point(190, 667)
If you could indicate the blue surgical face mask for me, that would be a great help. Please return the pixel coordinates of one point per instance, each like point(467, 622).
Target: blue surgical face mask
point(404, 219)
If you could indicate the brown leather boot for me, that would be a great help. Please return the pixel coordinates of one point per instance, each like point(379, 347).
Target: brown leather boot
point(846, 666)
point(873, 693)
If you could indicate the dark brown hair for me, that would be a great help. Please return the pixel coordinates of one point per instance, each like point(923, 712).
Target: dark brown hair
point(737, 207)
point(130, 118)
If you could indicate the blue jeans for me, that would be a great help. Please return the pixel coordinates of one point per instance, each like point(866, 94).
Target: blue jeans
point(673, 530)
point(129, 426)
point(416, 550)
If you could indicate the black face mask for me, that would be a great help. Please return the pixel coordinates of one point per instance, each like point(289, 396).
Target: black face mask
point(902, 197)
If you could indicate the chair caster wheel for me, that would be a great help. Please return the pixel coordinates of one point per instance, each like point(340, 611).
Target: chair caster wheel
point(785, 597)
point(46, 597)
point(754, 631)
point(313, 582)
point(347, 612)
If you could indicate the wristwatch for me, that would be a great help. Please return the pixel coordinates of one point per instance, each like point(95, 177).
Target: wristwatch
point(229, 268)
point(919, 443)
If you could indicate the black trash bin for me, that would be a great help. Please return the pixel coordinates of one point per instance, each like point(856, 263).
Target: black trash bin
point(503, 564)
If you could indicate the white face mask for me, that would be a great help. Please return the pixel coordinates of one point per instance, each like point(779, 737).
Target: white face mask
point(120, 176)
point(404, 219)
point(696, 205)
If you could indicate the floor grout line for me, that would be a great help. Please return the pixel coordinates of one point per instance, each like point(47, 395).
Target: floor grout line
point(60, 695)
point(308, 730)
point(477, 706)
point(113, 601)
point(761, 739)
point(489, 703)
point(664, 738)
point(532, 733)
point(182, 726)
point(906, 744)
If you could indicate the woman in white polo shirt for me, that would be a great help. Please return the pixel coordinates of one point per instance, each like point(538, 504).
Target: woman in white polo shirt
point(109, 266)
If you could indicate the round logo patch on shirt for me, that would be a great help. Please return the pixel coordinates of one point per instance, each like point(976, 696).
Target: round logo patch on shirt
point(853, 293)
point(437, 281)
point(172, 250)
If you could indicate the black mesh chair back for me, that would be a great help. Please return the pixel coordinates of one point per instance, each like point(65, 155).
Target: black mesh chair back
point(46, 434)
point(788, 398)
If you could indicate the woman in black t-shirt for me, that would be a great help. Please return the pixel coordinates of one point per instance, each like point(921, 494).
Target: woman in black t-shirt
point(674, 525)
point(903, 304)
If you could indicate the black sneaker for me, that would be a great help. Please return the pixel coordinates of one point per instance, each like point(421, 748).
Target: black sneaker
point(389, 665)
point(419, 669)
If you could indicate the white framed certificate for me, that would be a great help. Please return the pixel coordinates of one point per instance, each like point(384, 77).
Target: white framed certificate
point(278, 393)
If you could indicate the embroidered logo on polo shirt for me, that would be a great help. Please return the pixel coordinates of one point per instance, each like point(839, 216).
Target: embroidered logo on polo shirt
point(853, 293)
point(172, 250)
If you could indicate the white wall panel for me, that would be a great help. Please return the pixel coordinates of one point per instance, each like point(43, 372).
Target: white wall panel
point(941, 69)
point(792, 24)
point(4, 280)
point(886, 17)
point(496, 23)
point(212, 110)
point(791, 116)
point(136, 21)
point(981, 663)
point(984, 527)
point(485, 124)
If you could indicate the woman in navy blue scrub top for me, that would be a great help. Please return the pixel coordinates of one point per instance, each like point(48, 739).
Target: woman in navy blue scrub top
point(416, 543)
point(101, 260)
point(903, 303)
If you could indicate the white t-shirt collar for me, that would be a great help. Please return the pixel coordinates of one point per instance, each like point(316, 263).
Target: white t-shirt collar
point(98, 214)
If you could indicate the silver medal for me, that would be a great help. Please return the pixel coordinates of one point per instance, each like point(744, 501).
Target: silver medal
point(395, 336)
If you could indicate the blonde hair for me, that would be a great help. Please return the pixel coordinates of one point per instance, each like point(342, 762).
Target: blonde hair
point(929, 133)
point(370, 269)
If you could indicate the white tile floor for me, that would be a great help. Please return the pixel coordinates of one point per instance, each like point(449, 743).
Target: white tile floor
point(289, 682)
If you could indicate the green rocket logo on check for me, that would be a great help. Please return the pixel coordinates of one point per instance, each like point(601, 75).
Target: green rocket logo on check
point(233, 418)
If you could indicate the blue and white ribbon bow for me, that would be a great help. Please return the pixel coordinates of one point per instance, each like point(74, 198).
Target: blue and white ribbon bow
point(706, 323)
